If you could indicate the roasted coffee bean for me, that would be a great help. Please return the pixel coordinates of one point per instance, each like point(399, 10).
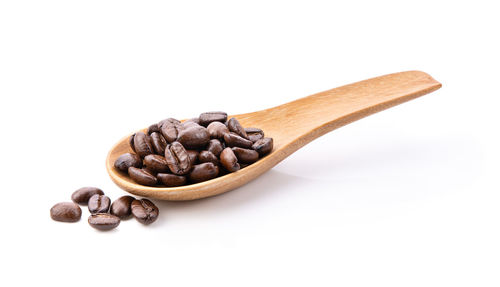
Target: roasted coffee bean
point(235, 127)
point(193, 120)
point(99, 203)
point(229, 160)
point(66, 212)
point(156, 163)
point(122, 206)
point(169, 120)
point(209, 117)
point(263, 146)
point(170, 129)
point(144, 211)
point(233, 140)
point(193, 156)
point(127, 160)
point(82, 195)
point(104, 221)
point(178, 159)
point(203, 172)
point(245, 155)
point(141, 176)
point(193, 137)
point(214, 146)
point(142, 144)
point(217, 130)
point(153, 129)
point(158, 142)
point(171, 180)
point(131, 142)
point(254, 134)
point(206, 156)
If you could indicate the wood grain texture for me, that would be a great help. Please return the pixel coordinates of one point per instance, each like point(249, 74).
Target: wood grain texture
point(292, 125)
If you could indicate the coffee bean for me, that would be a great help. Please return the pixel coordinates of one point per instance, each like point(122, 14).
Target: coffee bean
point(193, 120)
point(206, 156)
point(144, 211)
point(214, 146)
point(153, 129)
point(235, 127)
point(178, 159)
point(158, 142)
point(263, 146)
point(156, 163)
point(127, 160)
point(217, 130)
point(122, 206)
point(228, 160)
point(142, 144)
point(141, 176)
point(233, 140)
point(193, 156)
point(170, 129)
point(203, 172)
point(171, 180)
point(131, 142)
point(99, 203)
point(104, 221)
point(82, 195)
point(254, 134)
point(209, 117)
point(193, 137)
point(66, 212)
point(245, 155)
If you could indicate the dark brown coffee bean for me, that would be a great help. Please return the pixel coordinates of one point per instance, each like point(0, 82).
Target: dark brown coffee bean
point(171, 180)
point(99, 203)
point(122, 206)
point(158, 142)
point(127, 160)
point(142, 144)
point(214, 146)
point(245, 155)
point(82, 195)
point(235, 127)
point(209, 117)
point(193, 137)
point(254, 134)
point(153, 129)
point(193, 156)
point(66, 212)
point(229, 160)
point(104, 221)
point(233, 140)
point(178, 159)
point(169, 120)
point(141, 176)
point(206, 156)
point(203, 172)
point(170, 129)
point(144, 211)
point(156, 163)
point(217, 130)
point(263, 146)
point(131, 142)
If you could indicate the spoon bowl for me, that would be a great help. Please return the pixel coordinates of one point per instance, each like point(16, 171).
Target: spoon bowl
point(291, 125)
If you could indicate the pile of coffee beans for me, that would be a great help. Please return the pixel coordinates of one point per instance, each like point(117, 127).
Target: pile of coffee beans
point(104, 215)
point(172, 153)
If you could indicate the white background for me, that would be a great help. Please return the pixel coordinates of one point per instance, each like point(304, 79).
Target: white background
point(406, 197)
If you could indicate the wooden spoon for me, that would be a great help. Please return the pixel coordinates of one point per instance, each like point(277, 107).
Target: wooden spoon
point(292, 125)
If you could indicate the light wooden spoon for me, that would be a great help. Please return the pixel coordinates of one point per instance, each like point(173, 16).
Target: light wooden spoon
point(292, 125)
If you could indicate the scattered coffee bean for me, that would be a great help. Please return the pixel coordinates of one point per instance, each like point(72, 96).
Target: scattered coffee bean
point(214, 146)
point(245, 155)
point(235, 127)
point(144, 211)
point(131, 142)
point(177, 159)
point(127, 160)
point(206, 156)
point(142, 176)
point(217, 130)
point(82, 195)
point(233, 140)
point(122, 206)
point(209, 117)
point(142, 144)
point(66, 212)
point(193, 136)
point(99, 203)
point(156, 163)
point(170, 129)
point(153, 129)
point(263, 146)
point(254, 134)
point(104, 221)
point(171, 180)
point(204, 171)
point(228, 160)
point(158, 142)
